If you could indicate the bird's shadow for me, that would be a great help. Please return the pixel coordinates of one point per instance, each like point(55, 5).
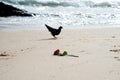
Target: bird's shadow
point(48, 39)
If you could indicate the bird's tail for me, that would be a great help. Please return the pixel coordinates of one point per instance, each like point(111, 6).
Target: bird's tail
point(45, 24)
point(48, 27)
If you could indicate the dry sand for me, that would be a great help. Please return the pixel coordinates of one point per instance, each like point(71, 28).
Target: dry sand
point(28, 55)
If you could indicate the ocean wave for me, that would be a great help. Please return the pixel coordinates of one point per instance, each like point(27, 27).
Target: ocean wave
point(104, 4)
point(67, 3)
point(113, 4)
point(43, 3)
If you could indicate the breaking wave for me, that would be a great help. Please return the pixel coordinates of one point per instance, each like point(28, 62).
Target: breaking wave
point(66, 12)
point(67, 3)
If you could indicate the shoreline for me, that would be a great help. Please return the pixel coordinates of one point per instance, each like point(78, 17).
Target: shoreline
point(30, 54)
point(63, 29)
point(36, 27)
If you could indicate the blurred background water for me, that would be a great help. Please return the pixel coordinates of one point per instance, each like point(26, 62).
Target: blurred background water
point(68, 13)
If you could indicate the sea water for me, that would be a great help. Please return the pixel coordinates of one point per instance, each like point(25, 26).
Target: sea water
point(67, 13)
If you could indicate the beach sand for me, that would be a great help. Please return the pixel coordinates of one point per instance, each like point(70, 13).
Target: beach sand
point(28, 54)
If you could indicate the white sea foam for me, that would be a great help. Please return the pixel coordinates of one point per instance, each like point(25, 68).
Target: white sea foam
point(69, 13)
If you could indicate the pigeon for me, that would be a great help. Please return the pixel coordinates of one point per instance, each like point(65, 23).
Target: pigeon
point(54, 31)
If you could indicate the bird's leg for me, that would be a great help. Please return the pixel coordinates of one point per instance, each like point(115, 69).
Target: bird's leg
point(55, 37)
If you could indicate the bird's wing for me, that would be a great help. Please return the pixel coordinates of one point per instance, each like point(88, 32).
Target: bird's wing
point(49, 28)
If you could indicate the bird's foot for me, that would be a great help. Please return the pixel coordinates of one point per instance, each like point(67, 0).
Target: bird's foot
point(55, 37)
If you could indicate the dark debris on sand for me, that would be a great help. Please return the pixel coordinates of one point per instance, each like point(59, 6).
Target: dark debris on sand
point(4, 54)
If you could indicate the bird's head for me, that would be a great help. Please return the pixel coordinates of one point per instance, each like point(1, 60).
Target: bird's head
point(60, 27)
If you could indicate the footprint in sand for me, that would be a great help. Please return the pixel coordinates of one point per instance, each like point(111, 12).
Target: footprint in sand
point(115, 50)
point(26, 49)
point(117, 58)
point(116, 46)
point(113, 37)
point(21, 50)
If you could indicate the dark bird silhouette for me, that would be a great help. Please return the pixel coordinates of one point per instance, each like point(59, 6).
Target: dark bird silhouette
point(54, 31)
